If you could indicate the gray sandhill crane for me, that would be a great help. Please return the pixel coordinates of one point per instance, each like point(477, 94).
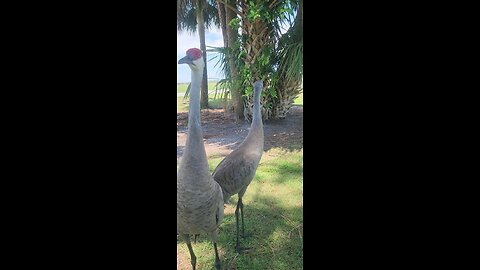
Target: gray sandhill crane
point(236, 171)
point(199, 198)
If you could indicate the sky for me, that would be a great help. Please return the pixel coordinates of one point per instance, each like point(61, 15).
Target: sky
point(185, 41)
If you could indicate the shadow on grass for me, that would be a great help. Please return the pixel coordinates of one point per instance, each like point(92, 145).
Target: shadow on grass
point(284, 172)
point(276, 236)
point(273, 209)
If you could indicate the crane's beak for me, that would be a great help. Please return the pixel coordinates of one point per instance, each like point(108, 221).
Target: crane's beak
point(185, 60)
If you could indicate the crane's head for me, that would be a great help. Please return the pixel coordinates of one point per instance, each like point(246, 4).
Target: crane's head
point(258, 86)
point(194, 59)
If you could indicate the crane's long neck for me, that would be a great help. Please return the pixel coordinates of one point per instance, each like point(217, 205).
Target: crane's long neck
point(255, 135)
point(194, 105)
point(257, 115)
point(195, 157)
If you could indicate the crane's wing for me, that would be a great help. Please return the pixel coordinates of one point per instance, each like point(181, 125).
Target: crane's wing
point(226, 164)
point(218, 166)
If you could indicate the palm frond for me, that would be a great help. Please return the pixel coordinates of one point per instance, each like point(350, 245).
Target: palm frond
point(187, 92)
point(220, 53)
point(291, 61)
point(211, 15)
point(186, 14)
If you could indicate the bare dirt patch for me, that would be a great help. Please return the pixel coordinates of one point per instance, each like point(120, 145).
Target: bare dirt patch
point(222, 135)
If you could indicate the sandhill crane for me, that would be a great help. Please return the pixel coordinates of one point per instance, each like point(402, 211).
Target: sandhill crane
point(199, 198)
point(236, 171)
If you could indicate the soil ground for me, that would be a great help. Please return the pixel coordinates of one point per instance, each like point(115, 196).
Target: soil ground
point(222, 135)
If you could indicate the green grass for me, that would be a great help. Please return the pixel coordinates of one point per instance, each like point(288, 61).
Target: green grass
point(273, 206)
point(182, 87)
point(299, 100)
point(182, 104)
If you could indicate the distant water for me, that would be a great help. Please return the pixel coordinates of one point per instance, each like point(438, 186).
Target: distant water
point(210, 80)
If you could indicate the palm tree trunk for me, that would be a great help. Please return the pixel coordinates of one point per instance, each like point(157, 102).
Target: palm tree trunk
point(223, 22)
point(203, 47)
point(299, 19)
point(258, 39)
point(232, 33)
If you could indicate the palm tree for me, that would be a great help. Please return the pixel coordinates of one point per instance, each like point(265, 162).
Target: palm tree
point(198, 15)
point(289, 60)
point(261, 51)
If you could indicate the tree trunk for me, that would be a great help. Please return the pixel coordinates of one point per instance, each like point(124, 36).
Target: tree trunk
point(223, 27)
point(236, 91)
point(223, 22)
point(201, 34)
point(299, 19)
point(258, 38)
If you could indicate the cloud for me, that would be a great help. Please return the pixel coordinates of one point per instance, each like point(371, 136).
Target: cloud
point(186, 41)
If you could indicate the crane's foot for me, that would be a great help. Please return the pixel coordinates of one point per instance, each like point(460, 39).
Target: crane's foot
point(194, 262)
point(246, 235)
point(218, 266)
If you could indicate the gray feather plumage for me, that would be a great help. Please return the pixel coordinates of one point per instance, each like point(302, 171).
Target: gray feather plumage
point(199, 197)
point(236, 171)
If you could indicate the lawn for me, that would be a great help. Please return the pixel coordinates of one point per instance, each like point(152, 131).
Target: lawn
point(273, 207)
point(182, 87)
point(299, 100)
point(182, 104)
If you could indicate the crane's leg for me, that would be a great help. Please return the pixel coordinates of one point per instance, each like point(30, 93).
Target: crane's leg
point(240, 201)
point(193, 258)
point(237, 247)
point(241, 212)
point(239, 207)
point(214, 234)
point(218, 266)
point(195, 238)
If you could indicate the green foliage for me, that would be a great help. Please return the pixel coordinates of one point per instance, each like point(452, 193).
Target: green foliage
point(234, 23)
point(223, 86)
point(278, 61)
point(291, 61)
